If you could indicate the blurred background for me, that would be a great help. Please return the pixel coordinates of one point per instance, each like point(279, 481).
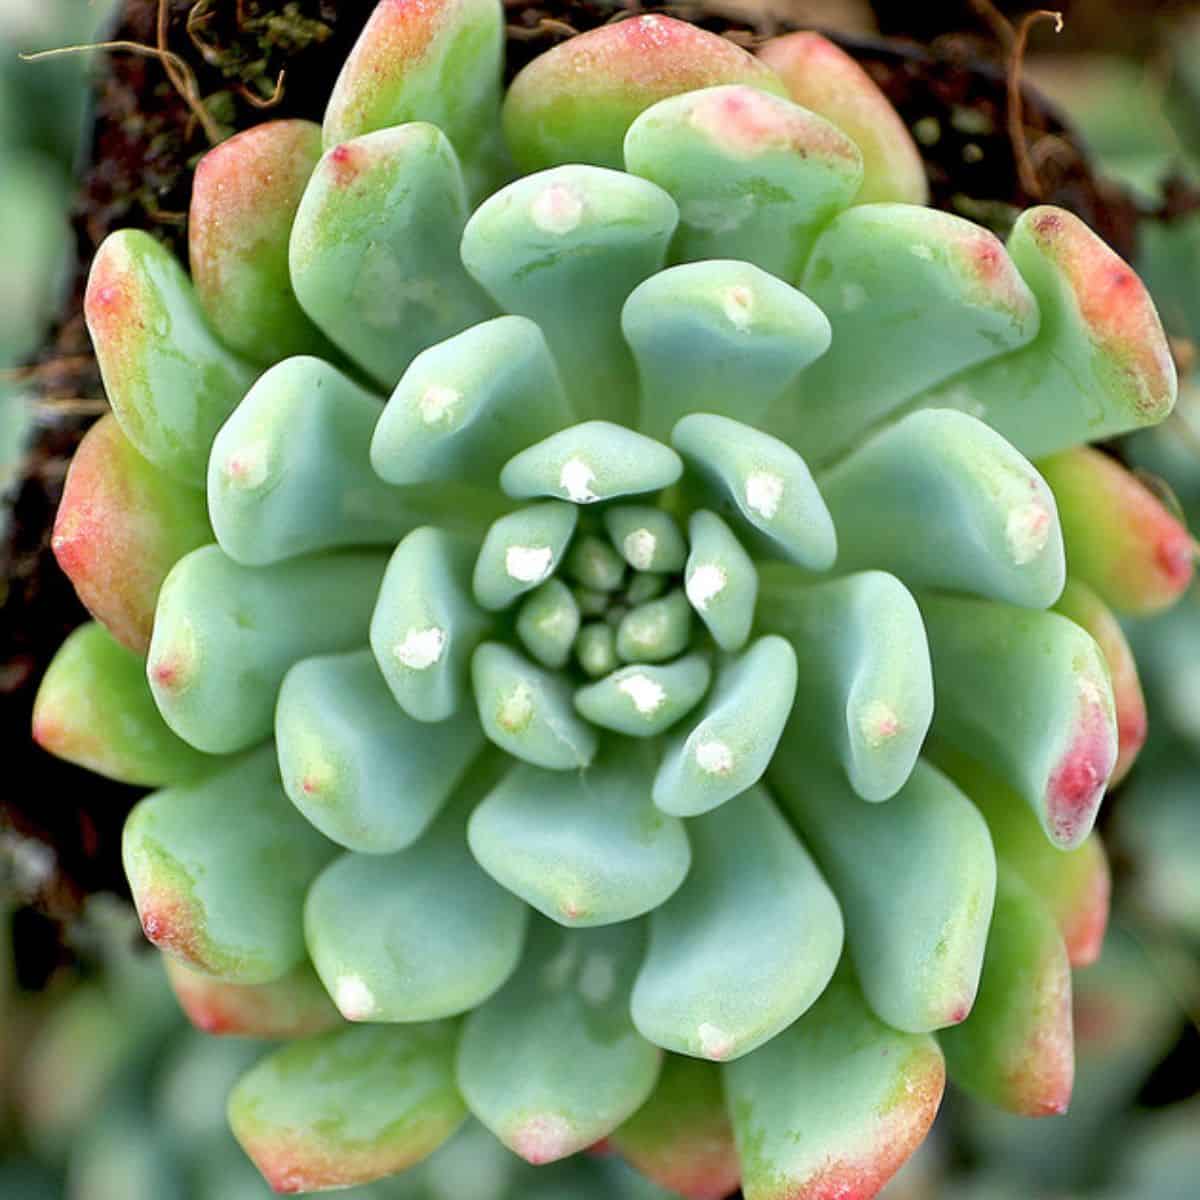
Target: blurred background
point(106, 1093)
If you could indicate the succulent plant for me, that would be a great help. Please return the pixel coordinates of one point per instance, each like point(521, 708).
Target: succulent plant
point(572, 561)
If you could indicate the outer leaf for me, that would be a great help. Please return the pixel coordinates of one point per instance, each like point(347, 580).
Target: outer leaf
point(1121, 540)
point(413, 936)
point(828, 81)
point(1073, 884)
point(865, 673)
point(94, 708)
point(1080, 604)
point(289, 470)
point(367, 776)
point(1015, 1049)
point(916, 879)
point(718, 337)
point(245, 193)
point(575, 102)
point(942, 501)
point(466, 405)
point(587, 848)
point(1100, 364)
point(374, 249)
point(295, 1005)
point(438, 62)
point(565, 248)
point(833, 1106)
point(299, 1113)
point(746, 945)
point(928, 292)
point(170, 382)
point(218, 871)
point(121, 525)
point(1029, 694)
point(225, 636)
point(755, 176)
point(425, 625)
point(552, 1063)
point(681, 1137)
point(527, 711)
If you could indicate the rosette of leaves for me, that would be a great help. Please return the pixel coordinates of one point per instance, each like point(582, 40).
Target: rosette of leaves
point(573, 562)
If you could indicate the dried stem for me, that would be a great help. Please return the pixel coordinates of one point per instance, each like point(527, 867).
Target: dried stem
point(180, 74)
point(1026, 171)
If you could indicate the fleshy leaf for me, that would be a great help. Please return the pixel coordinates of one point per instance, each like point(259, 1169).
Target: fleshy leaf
point(731, 745)
point(721, 337)
point(367, 776)
point(655, 631)
point(414, 936)
point(644, 700)
point(824, 78)
point(374, 250)
point(681, 1137)
point(747, 943)
point(426, 60)
point(942, 501)
point(576, 102)
point(290, 474)
point(593, 563)
point(293, 1006)
point(1029, 692)
point(426, 626)
point(648, 538)
point(299, 1113)
point(121, 525)
point(865, 673)
point(930, 294)
point(552, 1063)
point(564, 248)
point(1073, 884)
point(766, 482)
point(171, 384)
point(225, 636)
point(466, 405)
point(245, 193)
point(527, 711)
point(916, 879)
point(1080, 604)
point(219, 868)
point(755, 176)
point(1015, 1049)
point(520, 551)
point(720, 581)
point(1100, 364)
point(596, 649)
point(94, 708)
point(548, 622)
point(834, 1105)
point(1121, 539)
point(584, 848)
point(591, 462)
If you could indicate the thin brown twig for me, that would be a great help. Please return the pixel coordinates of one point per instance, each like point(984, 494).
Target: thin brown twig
point(81, 406)
point(190, 91)
point(184, 83)
point(261, 102)
point(1026, 171)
